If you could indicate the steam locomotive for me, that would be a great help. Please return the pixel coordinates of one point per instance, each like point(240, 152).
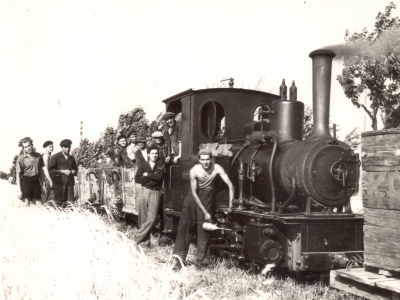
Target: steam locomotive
point(292, 208)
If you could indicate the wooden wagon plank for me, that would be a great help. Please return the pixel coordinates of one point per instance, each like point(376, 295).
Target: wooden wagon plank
point(382, 218)
point(381, 190)
point(352, 284)
point(382, 247)
point(391, 285)
point(380, 150)
point(365, 284)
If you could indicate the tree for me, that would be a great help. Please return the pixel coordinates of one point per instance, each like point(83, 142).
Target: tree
point(13, 170)
point(4, 175)
point(89, 154)
point(372, 66)
point(308, 122)
point(353, 138)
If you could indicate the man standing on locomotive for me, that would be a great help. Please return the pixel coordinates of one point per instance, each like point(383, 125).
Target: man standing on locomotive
point(158, 140)
point(172, 137)
point(63, 168)
point(198, 207)
point(150, 175)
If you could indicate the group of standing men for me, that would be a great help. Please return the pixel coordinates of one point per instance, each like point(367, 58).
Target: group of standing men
point(150, 157)
point(45, 177)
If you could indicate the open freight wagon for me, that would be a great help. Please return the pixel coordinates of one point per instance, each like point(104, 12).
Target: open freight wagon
point(99, 186)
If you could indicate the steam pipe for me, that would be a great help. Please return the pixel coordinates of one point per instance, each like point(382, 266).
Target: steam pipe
point(261, 137)
point(245, 145)
point(252, 169)
point(271, 170)
point(321, 74)
point(290, 199)
point(241, 177)
point(272, 135)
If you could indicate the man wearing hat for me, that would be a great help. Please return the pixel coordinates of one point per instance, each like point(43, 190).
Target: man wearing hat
point(158, 139)
point(141, 158)
point(132, 147)
point(121, 156)
point(198, 207)
point(149, 141)
point(141, 153)
point(45, 178)
point(172, 137)
point(63, 168)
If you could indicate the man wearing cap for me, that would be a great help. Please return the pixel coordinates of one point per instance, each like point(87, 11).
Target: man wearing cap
point(150, 175)
point(121, 156)
point(132, 147)
point(141, 153)
point(149, 141)
point(172, 137)
point(45, 178)
point(158, 139)
point(198, 207)
point(63, 168)
point(141, 157)
point(28, 167)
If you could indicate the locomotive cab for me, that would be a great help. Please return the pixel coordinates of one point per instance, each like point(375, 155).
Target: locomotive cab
point(216, 119)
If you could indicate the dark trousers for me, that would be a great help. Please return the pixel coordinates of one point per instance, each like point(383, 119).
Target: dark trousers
point(30, 187)
point(63, 193)
point(192, 216)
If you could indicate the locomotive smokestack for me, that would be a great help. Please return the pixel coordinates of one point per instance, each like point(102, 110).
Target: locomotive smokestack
point(322, 73)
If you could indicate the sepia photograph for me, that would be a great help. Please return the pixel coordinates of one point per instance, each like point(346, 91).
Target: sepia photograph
point(200, 149)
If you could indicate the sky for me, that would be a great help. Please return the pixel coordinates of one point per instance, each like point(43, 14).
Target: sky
point(63, 62)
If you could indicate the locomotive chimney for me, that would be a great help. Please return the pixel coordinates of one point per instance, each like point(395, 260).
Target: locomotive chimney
point(322, 73)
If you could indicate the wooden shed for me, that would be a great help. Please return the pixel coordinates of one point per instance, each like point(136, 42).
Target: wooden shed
point(381, 198)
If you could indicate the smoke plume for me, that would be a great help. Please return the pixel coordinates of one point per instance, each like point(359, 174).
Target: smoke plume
point(387, 42)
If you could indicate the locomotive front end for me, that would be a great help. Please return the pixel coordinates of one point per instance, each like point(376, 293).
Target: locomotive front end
point(293, 208)
point(284, 169)
point(324, 168)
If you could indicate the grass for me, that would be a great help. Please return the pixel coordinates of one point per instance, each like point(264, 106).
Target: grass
point(67, 254)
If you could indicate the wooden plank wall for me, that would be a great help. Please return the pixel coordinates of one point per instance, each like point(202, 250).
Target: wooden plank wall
point(380, 152)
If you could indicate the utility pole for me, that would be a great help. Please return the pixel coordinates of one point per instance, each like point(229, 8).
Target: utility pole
point(81, 133)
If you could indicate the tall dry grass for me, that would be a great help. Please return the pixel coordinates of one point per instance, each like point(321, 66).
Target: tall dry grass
point(52, 254)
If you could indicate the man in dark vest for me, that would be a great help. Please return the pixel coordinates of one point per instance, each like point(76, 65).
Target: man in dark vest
point(63, 168)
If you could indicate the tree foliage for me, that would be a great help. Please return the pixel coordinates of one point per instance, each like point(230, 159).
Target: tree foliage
point(308, 124)
point(372, 67)
point(92, 154)
point(4, 175)
point(353, 138)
